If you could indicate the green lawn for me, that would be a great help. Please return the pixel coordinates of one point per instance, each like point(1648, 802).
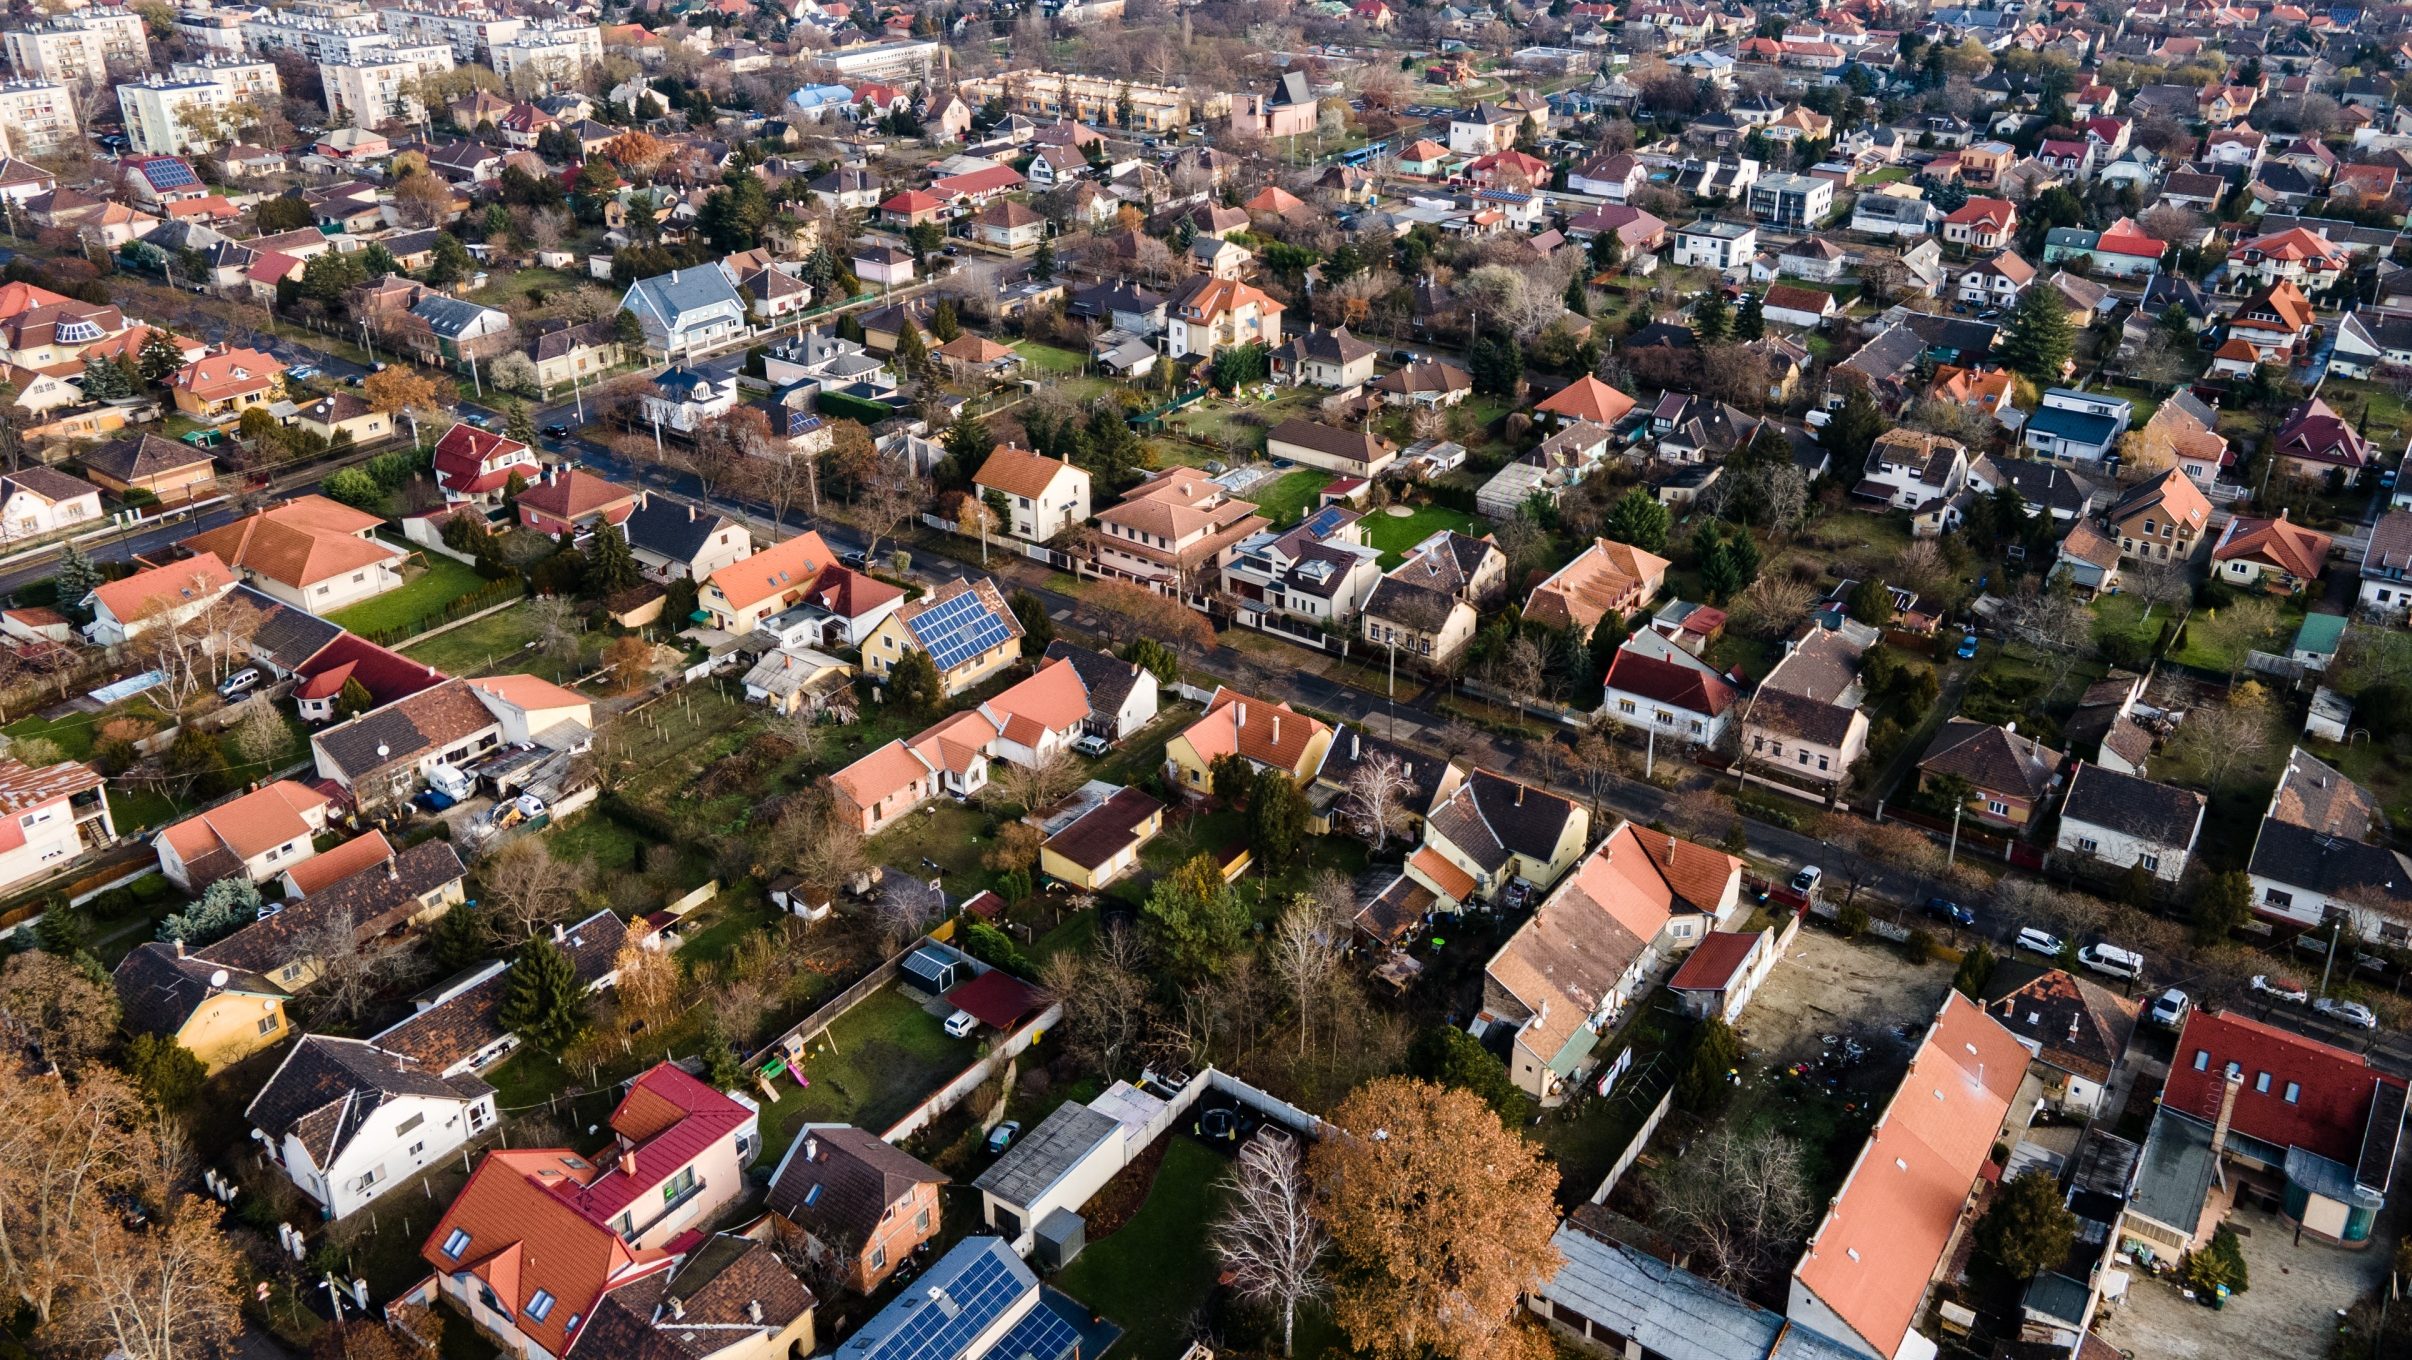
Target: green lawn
point(1395, 534)
point(1891, 174)
point(497, 644)
point(1038, 358)
point(874, 1064)
point(2204, 651)
point(72, 734)
point(508, 288)
point(1154, 1271)
point(440, 583)
point(1287, 498)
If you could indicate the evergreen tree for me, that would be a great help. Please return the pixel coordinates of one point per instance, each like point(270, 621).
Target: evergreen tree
point(1578, 297)
point(1720, 575)
point(1037, 628)
point(1751, 321)
point(459, 938)
point(376, 261)
point(626, 330)
point(453, 261)
point(1495, 365)
point(1639, 520)
point(104, 380)
point(518, 424)
point(2028, 1228)
point(353, 699)
point(76, 577)
point(1606, 251)
point(1154, 656)
point(2037, 340)
point(1277, 818)
point(944, 323)
point(967, 442)
point(722, 1071)
point(1042, 263)
point(1853, 430)
point(610, 566)
point(543, 1000)
point(159, 358)
point(1712, 318)
point(1704, 1085)
point(913, 681)
point(912, 352)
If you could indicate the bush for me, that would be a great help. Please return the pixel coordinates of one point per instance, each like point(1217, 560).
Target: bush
point(1851, 920)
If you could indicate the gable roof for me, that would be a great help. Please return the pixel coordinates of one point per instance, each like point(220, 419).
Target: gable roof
point(1580, 593)
point(327, 1088)
point(2158, 814)
point(2279, 543)
point(1992, 759)
point(1017, 471)
point(2336, 1092)
point(789, 565)
point(675, 530)
point(222, 838)
point(1688, 688)
point(1489, 817)
point(725, 1292)
point(160, 588)
point(300, 543)
point(1107, 680)
point(1267, 733)
point(1589, 399)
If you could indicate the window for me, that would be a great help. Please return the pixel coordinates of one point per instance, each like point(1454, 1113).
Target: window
point(418, 1147)
point(1625, 706)
point(540, 1306)
point(921, 1221)
point(408, 1124)
point(456, 1242)
point(2277, 898)
point(268, 1024)
point(2202, 1059)
point(2087, 845)
point(1997, 807)
point(812, 1196)
point(2261, 1084)
point(2293, 1089)
point(678, 1185)
point(2150, 863)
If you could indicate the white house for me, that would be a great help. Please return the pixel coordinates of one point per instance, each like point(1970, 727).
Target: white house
point(1715, 245)
point(259, 835)
point(683, 399)
point(2125, 821)
point(2077, 425)
point(1653, 686)
point(39, 500)
point(2313, 860)
point(161, 596)
point(1121, 694)
point(1039, 717)
point(688, 311)
point(346, 1121)
point(1043, 496)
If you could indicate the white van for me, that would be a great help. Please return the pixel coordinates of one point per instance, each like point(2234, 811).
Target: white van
point(2112, 961)
point(2041, 941)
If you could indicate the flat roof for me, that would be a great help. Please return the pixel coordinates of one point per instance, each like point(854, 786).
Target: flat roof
point(1061, 1142)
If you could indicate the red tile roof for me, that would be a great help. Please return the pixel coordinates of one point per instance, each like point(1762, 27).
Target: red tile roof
point(1712, 964)
point(2332, 1087)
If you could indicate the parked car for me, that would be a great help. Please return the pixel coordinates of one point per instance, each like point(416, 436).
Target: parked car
point(2041, 941)
point(240, 682)
point(302, 372)
point(961, 1024)
point(854, 561)
point(1092, 745)
point(1968, 646)
point(1805, 882)
point(2169, 1009)
point(2281, 988)
point(2112, 961)
point(2352, 1013)
point(1001, 1137)
point(1944, 909)
point(556, 431)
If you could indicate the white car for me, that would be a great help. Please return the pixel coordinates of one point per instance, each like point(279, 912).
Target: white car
point(961, 1024)
point(2352, 1013)
point(2281, 988)
point(2041, 941)
point(1805, 882)
point(2169, 1009)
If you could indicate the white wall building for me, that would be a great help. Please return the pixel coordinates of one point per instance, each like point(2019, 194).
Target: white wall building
point(37, 118)
point(381, 85)
point(550, 55)
point(81, 49)
point(347, 1121)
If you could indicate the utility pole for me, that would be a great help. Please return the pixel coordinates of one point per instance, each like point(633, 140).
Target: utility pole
point(1954, 855)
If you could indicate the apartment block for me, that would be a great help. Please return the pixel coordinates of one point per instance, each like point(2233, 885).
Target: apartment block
point(382, 85)
point(37, 118)
point(319, 37)
point(80, 49)
point(186, 111)
point(1094, 99)
point(472, 34)
point(549, 55)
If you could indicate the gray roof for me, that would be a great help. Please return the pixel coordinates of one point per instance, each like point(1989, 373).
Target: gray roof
point(1109, 680)
point(2329, 865)
point(1670, 1311)
point(680, 291)
point(2157, 813)
point(327, 1088)
point(672, 529)
point(2176, 1170)
point(1049, 1153)
point(449, 316)
point(287, 637)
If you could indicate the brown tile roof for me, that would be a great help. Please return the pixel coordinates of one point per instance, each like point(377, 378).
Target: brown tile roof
point(250, 825)
point(1993, 759)
point(859, 1178)
point(304, 541)
point(1267, 733)
point(1019, 472)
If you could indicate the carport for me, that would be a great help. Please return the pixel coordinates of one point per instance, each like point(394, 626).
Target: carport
point(995, 998)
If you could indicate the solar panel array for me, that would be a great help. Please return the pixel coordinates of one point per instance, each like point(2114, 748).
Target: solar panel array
point(1324, 521)
point(960, 629)
point(943, 1328)
point(1042, 1334)
point(169, 173)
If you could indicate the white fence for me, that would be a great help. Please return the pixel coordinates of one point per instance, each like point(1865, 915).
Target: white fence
point(1634, 1149)
point(970, 1079)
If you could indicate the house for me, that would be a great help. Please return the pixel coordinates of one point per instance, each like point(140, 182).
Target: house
point(1981, 224)
point(1604, 579)
point(2076, 426)
point(1597, 941)
point(1121, 695)
point(1711, 244)
point(347, 1121)
point(2076, 1031)
point(1332, 358)
point(1038, 717)
point(310, 552)
point(1483, 129)
point(688, 311)
point(1008, 227)
point(218, 387)
point(1102, 844)
point(381, 897)
point(539, 1238)
point(743, 594)
point(2272, 554)
point(476, 467)
point(2315, 1127)
point(220, 1016)
point(858, 1198)
point(885, 265)
point(259, 835)
point(323, 669)
point(1357, 453)
point(2187, 431)
point(1660, 690)
point(2274, 326)
point(2297, 255)
point(386, 753)
point(1487, 835)
point(1266, 735)
point(726, 1291)
point(1803, 726)
point(1605, 1293)
point(456, 331)
point(2007, 776)
point(1613, 177)
point(1209, 314)
point(1884, 1238)
point(1791, 202)
point(1813, 258)
point(2160, 520)
point(2125, 821)
point(1921, 473)
point(965, 626)
point(456, 1027)
point(567, 502)
point(1427, 606)
point(676, 540)
point(1425, 382)
point(170, 469)
point(162, 596)
point(2386, 589)
point(343, 418)
point(1995, 281)
point(1316, 571)
point(1786, 305)
point(1586, 400)
point(2313, 859)
point(683, 399)
point(1893, 211)
point(2315, 441)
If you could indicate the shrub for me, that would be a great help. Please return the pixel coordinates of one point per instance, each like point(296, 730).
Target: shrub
point(1851, 920)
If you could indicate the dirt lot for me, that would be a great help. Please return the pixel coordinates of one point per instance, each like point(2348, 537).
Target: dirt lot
point(2290, 1310)
point(1865, 990)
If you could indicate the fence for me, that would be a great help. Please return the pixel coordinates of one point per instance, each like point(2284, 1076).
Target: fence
point(793, 1040)
point(1971, 838)
point(970, 1079)
point(1633, 1150)
point(1036, 552)
point(1305, 635)
point(490, 596)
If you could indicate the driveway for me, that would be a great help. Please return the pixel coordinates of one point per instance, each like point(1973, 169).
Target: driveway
point(2290, 1310)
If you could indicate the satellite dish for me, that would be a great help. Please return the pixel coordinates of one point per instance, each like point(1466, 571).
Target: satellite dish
point(218, 978)
point(383, 750)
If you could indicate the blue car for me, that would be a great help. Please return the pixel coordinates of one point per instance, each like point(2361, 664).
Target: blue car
point(1944, 909)
point(1968, 647)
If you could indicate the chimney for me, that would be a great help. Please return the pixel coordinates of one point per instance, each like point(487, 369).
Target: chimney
point(628, 1162)
point(2227, 1114)
point(393, 872)
point(1355, 740)
point(557, 933)
point(180, 948)
point(812, 1147)
point(677, 1309)
point(1277, 727)
point(753, 1311)
point(1520, 795)
point(1243, 715)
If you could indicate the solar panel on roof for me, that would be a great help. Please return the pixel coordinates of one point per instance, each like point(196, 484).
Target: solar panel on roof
point(169, 174)
point(1324, 521)
point(1042, 1334)
point(959, 629)
point(943, 1326)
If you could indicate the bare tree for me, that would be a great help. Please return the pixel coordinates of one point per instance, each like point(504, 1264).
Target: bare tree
point(893, 496)
point(526, 887)
point(1305, 953)
point(1742, 1200)
point(1268, 1236)
point(261, 736)
point(1104, 994)
point(2055, 623)
point(1377, 800)
point(2156, 584)
point(350, 971)
point(2221, 736)
point(2237, 628)
point(901, 915)
point(556, 623)
point(1774, 605)
point(1032, 787)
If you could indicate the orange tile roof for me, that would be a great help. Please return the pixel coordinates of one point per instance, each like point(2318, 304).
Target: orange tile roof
point(300, 543)
point(523, 1238)
point(1267, 733)
point(345, 860)
point(164, 587)
point(1885, 1236)
point(1987, 388)
point(1220, 297)
point(880, 775)
point(1443, 873)
point(527, 693)
point(250, 825)
point(1601, 578)
point(1017, 471)
point(2280, 543)
point(1052, 700)
point(1587, 398)
point(955, 743)
point(781, 567)
point(216, 377)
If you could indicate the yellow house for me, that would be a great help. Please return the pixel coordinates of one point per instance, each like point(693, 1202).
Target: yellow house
point(966, 627)
point(1102, 844)
point(224, 386)
point(345, 414)
point(221, 1015)
point(1487, 831)
point(1269, 735)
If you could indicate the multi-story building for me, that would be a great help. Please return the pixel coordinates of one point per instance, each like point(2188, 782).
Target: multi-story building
point(383, 84)
point(197, 106)
point(319, 37)
point(213, 31)
point(1711, 244)
point(1095, 99)
point(1791, 202)
point(83, 49)
point(552, 54)
point(472, 34)
point(37, 118)
point(253, 79)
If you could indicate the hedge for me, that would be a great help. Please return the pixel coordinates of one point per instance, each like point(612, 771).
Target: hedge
point(855, 408)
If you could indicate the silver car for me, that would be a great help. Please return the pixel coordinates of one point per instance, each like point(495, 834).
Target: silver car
point(2352, 1013)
